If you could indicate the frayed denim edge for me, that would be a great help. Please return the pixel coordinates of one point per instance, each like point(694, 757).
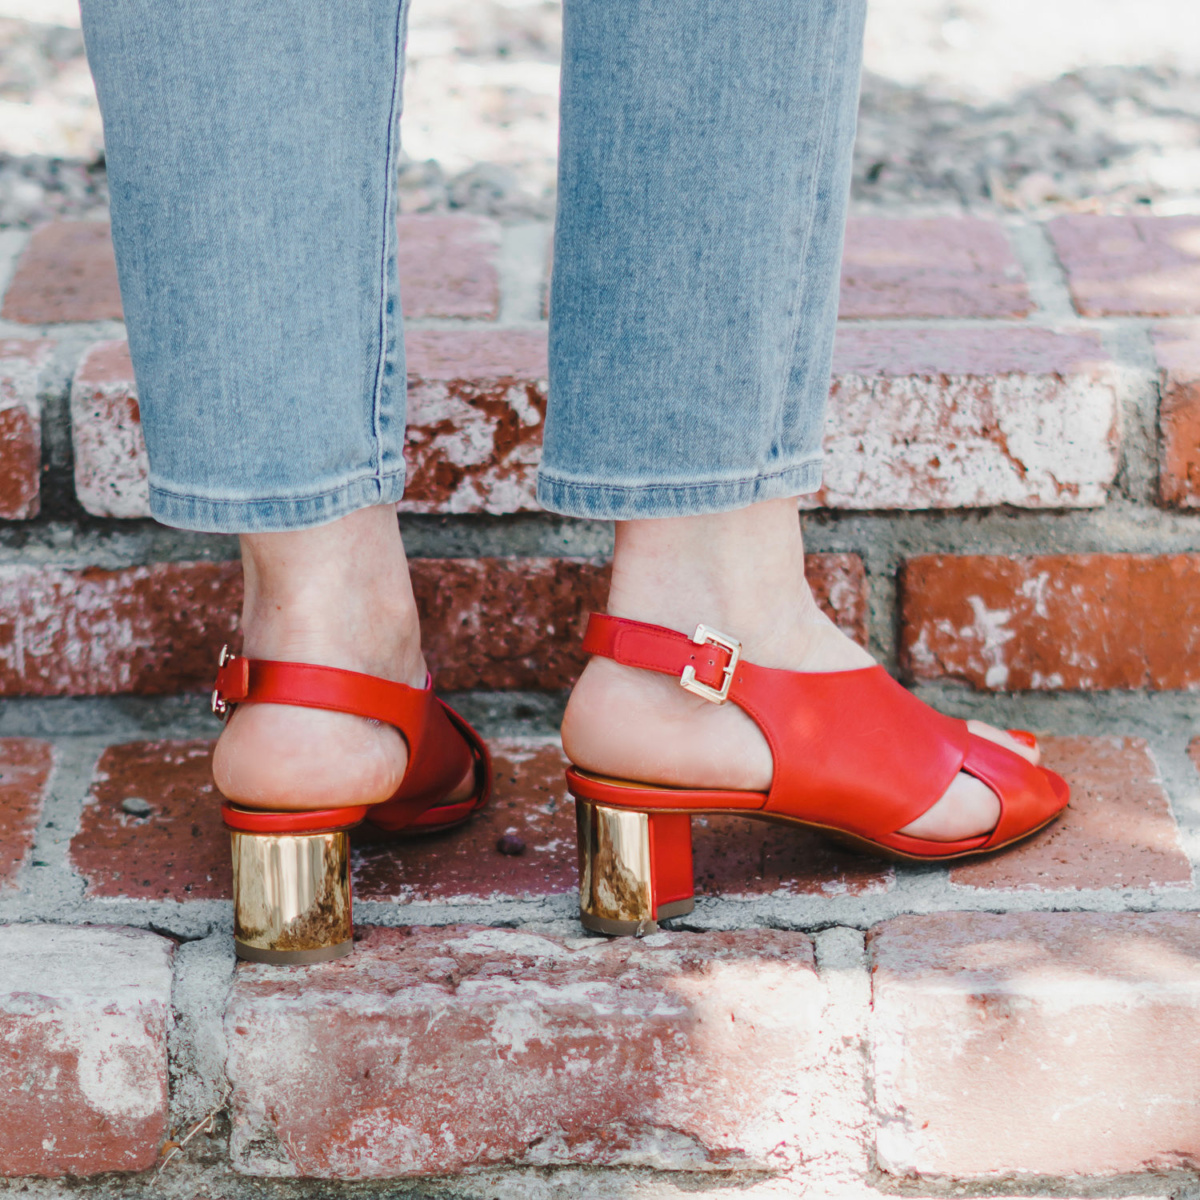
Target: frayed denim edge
point(612, 502)
point(277, 514)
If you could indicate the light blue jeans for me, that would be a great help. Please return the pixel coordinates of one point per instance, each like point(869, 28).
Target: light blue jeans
point(704, 170)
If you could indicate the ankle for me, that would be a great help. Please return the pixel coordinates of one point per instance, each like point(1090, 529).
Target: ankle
point(741, 572)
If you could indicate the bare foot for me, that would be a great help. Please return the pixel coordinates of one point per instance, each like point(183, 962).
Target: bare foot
point(742, 573)
point(338, 596)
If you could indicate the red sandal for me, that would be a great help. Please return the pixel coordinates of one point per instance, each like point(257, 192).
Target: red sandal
point(856, 757)
point(291, 870)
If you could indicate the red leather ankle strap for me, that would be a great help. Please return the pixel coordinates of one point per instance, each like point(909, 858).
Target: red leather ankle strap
point(655, 648)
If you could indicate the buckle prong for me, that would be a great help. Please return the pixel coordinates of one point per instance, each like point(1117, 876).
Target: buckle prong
point(704, 636)
point(220, 706)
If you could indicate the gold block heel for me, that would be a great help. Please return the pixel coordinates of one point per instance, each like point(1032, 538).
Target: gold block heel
point(291, 896)
point(635, 868)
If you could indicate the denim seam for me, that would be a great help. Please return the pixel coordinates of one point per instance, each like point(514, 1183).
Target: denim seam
point(797, 307)
point(393, 120)
point(704, 485)
point(252, 500)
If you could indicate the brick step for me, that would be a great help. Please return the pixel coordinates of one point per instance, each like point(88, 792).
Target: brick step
point(151, 830)
point(934, 417)
point(1059, 1049)
point(1065, 622)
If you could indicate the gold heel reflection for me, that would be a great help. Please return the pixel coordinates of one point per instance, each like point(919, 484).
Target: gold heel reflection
point(291, 896)
point(620, 861)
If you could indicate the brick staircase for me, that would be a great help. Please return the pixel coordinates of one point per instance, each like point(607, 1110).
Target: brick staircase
point(1009, 521)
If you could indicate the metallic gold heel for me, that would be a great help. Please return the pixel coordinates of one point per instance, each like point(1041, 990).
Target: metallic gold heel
point(291, 884)
point(635, 868)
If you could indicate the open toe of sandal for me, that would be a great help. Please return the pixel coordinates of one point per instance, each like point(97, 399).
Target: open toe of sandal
point(856, 757)
point(291, 870)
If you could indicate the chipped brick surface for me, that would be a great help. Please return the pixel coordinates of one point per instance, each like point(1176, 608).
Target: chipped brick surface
point(933, 267)
point(111, 469)
point(1033, 1044)
point(476, 406)
point(1177, 347)
point(960, 418)
point(1119, 831)
point(177, 851)
point(449, 1048)
point(1130, 266)
point(448, 266)
point(67, 273)
point(149, 629)
point(1052, 622)
point(83, 1026)
point(25, 765)
point(21, 364)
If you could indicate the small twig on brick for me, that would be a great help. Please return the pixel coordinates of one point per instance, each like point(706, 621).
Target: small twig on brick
point(204, 1125)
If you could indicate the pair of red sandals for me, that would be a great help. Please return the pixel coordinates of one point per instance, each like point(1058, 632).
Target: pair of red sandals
point(855, 756)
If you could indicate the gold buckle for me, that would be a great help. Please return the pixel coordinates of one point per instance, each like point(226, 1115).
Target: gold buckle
point(219, 706)
point(688, 681)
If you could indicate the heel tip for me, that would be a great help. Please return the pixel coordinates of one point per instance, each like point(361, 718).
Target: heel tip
point(611, 927)
point(291, 957)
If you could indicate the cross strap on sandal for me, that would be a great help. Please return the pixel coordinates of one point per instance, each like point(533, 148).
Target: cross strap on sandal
point(291, 870)
point(856, 757)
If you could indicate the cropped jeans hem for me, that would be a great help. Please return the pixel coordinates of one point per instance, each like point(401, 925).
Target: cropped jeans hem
point(275, 514)
point(633, 502)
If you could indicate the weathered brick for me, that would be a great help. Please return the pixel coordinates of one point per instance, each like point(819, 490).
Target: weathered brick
point(454, 1048)
point(1052, 622)
point(149, 629)
point(111, 469)
point(963, 418)
point(448, 266)
point(930, 267)
point(1177, 346)
point(1118, 832)
point(21, 364)
point(179, 850)
point(486, 623)
point(25, 766)
point(67, 273)
point(83, 1070)
point(476, 405)
point(1032, 1044)
point(1130, 266)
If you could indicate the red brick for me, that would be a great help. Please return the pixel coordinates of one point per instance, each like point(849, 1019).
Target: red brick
point(486, 623)
point(1035, 1044)
point(1130, 266)
point(21, 364)
point(1119, 831)
point(454, 1048)
point(934, 267)
point(476, 405)
point(1050, 622)
point(25, 766)
point(83, 1069)
point(67, 273)
point(448, 266)
point(179, 850)
point(1177, 346)
point(149, 629)
point(111, 469)
point(962, 418)
point(733, 856)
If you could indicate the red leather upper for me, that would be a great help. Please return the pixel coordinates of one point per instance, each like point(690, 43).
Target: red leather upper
point(853, 750)
point(441, 746)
